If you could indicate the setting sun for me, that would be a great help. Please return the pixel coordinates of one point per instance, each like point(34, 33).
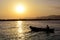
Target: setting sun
point(19, 8)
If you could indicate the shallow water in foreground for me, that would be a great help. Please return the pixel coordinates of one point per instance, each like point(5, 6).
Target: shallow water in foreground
point(19, 30)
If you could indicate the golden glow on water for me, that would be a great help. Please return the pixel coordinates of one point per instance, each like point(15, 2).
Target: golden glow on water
point(19, 25)
point(20, 30)
point(22, 27)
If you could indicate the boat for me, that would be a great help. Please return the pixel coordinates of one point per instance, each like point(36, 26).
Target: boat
point(48, 30)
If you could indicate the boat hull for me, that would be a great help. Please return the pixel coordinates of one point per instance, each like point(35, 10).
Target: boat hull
point(35, 29)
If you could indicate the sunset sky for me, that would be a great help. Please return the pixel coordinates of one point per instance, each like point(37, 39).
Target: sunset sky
point(28, 8)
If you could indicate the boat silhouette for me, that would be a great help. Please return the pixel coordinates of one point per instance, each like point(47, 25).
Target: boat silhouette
point(47, 29)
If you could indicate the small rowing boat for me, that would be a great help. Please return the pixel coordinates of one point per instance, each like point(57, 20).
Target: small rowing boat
point(35, 29)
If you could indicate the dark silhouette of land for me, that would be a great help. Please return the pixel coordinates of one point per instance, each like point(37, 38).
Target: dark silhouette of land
point(44, 18)
point(49, 17)
point(27, 19)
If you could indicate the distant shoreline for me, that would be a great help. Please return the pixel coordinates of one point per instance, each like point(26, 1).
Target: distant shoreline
point(27, 19)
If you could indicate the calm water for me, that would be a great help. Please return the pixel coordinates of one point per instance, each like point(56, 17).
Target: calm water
point(19, 30)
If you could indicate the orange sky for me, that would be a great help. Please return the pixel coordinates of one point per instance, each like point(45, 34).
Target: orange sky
point(33, 8)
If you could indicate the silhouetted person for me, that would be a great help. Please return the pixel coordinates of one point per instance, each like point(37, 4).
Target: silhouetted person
point(47, 27)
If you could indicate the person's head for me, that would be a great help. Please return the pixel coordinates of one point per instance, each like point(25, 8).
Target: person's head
point(47, 25)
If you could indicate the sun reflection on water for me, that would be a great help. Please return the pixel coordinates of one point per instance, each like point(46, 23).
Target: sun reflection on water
point(19, 25)
point(20, 30)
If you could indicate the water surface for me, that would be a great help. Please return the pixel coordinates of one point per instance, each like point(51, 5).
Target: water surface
point(19, 30)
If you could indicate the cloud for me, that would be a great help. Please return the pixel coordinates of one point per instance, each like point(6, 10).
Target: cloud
point(56, 7)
